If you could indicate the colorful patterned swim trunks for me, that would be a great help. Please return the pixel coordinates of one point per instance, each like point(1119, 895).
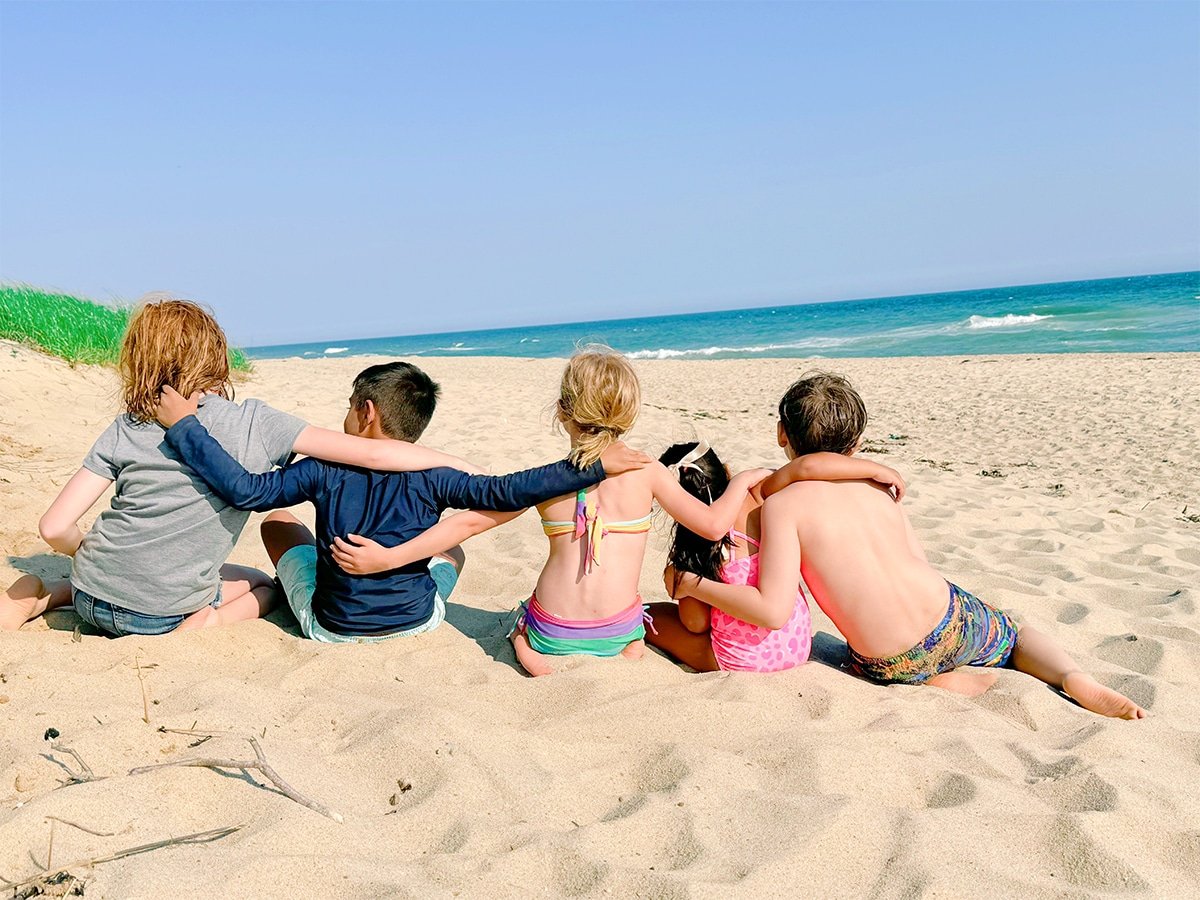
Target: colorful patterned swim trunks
point(971, 634)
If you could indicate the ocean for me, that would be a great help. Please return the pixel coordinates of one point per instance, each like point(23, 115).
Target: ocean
point(1142, 314)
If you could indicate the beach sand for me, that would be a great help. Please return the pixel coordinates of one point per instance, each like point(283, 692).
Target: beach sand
point(1053, 486)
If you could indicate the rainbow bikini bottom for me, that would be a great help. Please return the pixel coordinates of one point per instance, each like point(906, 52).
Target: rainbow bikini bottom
point(549, 634)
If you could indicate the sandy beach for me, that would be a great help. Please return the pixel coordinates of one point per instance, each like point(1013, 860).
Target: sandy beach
point(1065, 489)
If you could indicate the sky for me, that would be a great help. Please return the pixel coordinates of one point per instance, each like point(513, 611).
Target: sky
point(331, 171)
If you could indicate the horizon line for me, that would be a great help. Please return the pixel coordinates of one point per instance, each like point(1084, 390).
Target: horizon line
point(678, 315)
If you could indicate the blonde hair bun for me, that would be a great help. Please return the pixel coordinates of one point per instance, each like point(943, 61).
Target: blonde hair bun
point(601, 397)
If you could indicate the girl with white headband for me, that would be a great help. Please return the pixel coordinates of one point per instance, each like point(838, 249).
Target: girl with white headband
point(705, 637)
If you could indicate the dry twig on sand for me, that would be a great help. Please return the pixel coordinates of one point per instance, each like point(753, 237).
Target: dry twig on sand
point(258, 764)
point(84, 827)
point(198, 838)
point(137, 661)
point(85, 773)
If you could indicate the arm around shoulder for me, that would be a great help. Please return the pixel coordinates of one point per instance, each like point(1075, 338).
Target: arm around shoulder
point(710, 521)
point(832, 467)
point(383, 456)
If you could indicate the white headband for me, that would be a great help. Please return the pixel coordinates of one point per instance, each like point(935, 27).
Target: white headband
point(689, 459)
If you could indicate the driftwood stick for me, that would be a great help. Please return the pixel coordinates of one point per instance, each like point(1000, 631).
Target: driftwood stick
point(81, 827)
point(85, 772)
point(137, 661)
point(202, 763)
point(50, 849)
point(258, 764)
point(199, 837)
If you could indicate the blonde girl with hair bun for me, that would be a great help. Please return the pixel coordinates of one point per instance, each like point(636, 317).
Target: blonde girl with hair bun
point(154, 561)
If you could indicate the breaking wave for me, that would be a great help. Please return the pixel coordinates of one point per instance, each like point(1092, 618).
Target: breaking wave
point(1008, 321)
point(818, 343)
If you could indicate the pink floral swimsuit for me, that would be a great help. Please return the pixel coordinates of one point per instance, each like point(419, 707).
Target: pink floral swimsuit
point(742, 647)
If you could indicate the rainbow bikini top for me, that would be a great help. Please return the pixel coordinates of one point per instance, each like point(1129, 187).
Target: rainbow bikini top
point(588, 525)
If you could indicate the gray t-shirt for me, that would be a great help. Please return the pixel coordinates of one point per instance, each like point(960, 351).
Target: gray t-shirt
point(158, 549)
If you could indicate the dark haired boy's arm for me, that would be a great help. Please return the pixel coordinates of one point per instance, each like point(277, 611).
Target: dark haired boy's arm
point(507, 493)
point(832, 467)
point(229, 479)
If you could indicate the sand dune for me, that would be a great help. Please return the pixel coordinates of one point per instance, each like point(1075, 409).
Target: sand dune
point(1053, 486)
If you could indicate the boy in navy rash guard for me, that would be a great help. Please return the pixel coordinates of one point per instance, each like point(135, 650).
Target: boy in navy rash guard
point(394, 400)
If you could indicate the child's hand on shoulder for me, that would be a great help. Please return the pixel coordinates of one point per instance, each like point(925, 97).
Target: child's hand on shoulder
point(620, 458)
point(757, 477)
point(749, 479)
point(892, 480)
point(173, 406)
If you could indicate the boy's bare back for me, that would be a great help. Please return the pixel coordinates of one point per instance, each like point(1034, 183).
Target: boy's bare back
point(862, 563)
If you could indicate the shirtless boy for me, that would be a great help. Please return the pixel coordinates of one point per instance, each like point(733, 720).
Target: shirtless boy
point(857, 553)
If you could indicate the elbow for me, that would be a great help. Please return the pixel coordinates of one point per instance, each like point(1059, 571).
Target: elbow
point(804, 469)
point(775, 621)
point(712, 531)
point(777, 615)
point(51, 530)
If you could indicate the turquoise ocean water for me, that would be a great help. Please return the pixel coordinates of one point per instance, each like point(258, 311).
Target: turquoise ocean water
point(1145, 313)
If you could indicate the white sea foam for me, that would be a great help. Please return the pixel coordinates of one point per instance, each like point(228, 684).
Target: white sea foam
point(817, 343)
point(1008, 321)
point(336, 349)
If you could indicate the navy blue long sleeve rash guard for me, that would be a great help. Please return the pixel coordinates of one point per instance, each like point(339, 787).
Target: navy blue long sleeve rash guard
point(388, 507)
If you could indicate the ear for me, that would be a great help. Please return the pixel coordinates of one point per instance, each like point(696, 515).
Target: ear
point(781, 435)
point(367, 414)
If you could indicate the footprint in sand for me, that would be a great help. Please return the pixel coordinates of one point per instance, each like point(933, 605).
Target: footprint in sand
point(625, 808)
point(1038, 545)
point(953, 789)
point(817, 701)
point(1179, 599)
point(662, 772)
point(1037, 771)
point(1070, 613)
point(1140, 654)
point(577, 876)
point(1080, 736)
point(1075, 856)
point(681, 849)
point(454, 839)
point(1007, 705)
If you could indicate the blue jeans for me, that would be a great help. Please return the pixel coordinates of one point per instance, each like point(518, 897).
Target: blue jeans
point(119, 622)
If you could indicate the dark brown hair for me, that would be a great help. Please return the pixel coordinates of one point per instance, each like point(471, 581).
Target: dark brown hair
point(822, 412)
point(705, 479)
point(404, 398)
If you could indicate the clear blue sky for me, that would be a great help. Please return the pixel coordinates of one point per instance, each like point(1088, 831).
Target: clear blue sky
point(322, 171)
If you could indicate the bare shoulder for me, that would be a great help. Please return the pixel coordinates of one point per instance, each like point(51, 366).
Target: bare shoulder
point(790, 501)
point(805, 499)
point(644, 479)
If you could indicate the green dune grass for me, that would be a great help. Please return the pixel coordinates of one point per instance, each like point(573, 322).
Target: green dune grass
point(75, 329)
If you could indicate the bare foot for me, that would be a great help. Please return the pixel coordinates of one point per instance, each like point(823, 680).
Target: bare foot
point(28, 598)
point(531, 661)
point(636, 650)
point(965, 681)
point(1091, 694)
